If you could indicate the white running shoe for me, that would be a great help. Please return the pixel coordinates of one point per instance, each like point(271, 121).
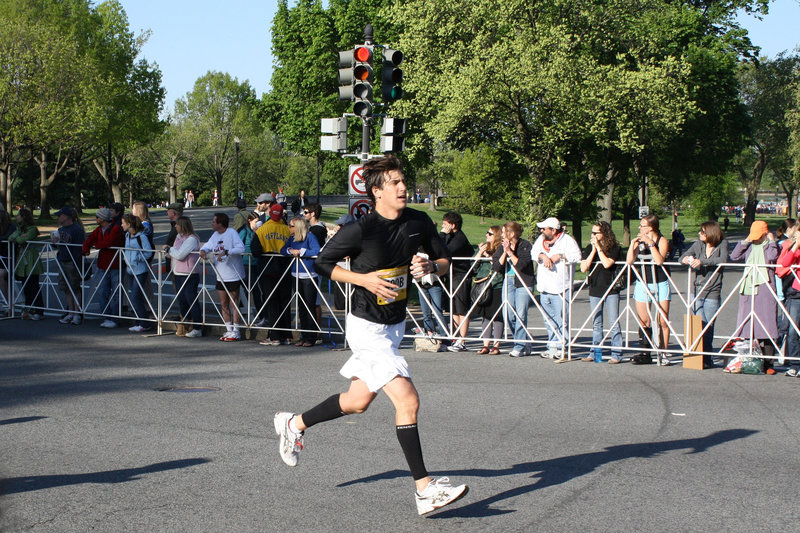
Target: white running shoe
point(136, 329)
point(66, 319)
point(457, 346)
point(194, 333)
point(437, 494)
point(290, 442)
point(76, 320)
point(108, 324)
point(230, 336)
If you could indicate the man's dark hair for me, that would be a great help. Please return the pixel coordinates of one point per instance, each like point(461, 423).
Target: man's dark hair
point(315, 209)
point(453, 218)
point(222, 219)
point(118, 207)
point(374, 173)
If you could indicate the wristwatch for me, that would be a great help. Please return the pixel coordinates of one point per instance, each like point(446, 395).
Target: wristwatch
point(435, 266)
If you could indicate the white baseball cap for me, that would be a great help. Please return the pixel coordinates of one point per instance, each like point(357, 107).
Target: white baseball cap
point(551, 222)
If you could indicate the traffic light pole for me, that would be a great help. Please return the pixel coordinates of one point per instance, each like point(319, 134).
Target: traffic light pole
point(365, 135)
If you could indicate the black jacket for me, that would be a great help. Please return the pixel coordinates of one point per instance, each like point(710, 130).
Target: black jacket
point(524, 266)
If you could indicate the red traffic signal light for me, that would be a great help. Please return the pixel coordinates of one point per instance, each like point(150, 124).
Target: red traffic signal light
point(356, 78)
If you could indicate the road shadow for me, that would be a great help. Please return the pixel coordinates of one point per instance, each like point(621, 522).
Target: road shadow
point(20, 420)
point(16, 485)
point(562, 469)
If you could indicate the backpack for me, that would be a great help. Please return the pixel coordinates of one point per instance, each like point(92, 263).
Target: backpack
point(147, 254)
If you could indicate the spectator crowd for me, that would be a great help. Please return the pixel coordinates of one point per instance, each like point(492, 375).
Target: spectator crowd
point(263, 259)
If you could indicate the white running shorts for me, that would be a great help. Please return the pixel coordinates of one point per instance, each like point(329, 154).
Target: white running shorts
point(375, 359)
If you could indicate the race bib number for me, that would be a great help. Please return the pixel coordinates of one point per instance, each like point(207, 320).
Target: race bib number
point(395, 276)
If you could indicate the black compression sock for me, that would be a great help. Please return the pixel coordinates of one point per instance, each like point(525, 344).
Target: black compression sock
point(409, 442)
point(327, 410)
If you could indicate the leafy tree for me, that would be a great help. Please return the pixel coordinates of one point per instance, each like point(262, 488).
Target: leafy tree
point(41, 94)
point(712, 193)
point(533, 79)
point(792, 162)
point(218, 109)
point(767, 93)
point(128, 95)
point(304, 75)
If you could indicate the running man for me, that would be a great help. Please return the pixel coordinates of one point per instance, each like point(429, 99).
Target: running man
point(381, 247)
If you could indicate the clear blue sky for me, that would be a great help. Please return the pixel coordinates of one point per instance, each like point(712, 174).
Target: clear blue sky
point(189, 38)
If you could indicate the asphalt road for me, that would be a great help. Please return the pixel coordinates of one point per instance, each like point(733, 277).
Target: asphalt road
point(90, 441)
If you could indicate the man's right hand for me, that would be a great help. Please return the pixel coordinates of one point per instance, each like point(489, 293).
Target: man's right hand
point(378, 286)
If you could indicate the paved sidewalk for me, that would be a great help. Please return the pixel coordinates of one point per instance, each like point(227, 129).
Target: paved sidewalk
point(91, 441)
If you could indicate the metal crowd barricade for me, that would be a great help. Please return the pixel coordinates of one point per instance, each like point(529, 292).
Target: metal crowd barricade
point(7, 281)
point(161, 303)
point(505, 309)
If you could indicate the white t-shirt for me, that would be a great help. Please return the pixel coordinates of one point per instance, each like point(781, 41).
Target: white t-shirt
point(229, 266)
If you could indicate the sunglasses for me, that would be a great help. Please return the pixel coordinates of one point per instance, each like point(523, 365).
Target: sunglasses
point(305, 212)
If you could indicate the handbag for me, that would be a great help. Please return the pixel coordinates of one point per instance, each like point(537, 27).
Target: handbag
point(481, 292)
point(621, 282)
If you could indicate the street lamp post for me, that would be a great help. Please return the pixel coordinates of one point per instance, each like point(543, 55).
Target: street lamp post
point(236, 142)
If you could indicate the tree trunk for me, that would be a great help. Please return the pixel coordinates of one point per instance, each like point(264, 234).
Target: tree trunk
point(604, 204)
point(76, 173)
point(628, 213)
point(46, 180)
point(5, 186)
point(577, 232)
point(752, 183)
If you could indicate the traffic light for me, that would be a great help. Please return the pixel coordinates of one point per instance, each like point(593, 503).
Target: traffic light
point(336, 142)
point(356, 77)
point(392, 75)
point(392, 131)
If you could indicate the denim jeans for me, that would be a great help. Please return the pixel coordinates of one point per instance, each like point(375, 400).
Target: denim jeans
point(706, 307)
point(429, 323)
point(792, 340)
point(611, 308)
point(187, 292)
point(553, 305)
point(306, 305)
point(520, 301)
point(108, 284)
point(138, 301)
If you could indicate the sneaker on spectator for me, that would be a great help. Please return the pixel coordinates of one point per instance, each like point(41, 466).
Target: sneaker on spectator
point(792, 372)
point(76, 320)
point(270, 342)
point(664, 358)
point(290, 442)
point(457, 346)
point(231, 336)
point(437, 494)
point(137, 329)
point(66, 319)
point(515, 353)
point(37, 316)
point(194, 333)
point(286, 342)
point(108, 324)
point(25, 315)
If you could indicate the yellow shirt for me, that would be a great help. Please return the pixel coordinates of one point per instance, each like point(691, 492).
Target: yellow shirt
point(272, 236)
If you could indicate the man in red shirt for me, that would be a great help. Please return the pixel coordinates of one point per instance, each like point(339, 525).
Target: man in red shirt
point(107, 238)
